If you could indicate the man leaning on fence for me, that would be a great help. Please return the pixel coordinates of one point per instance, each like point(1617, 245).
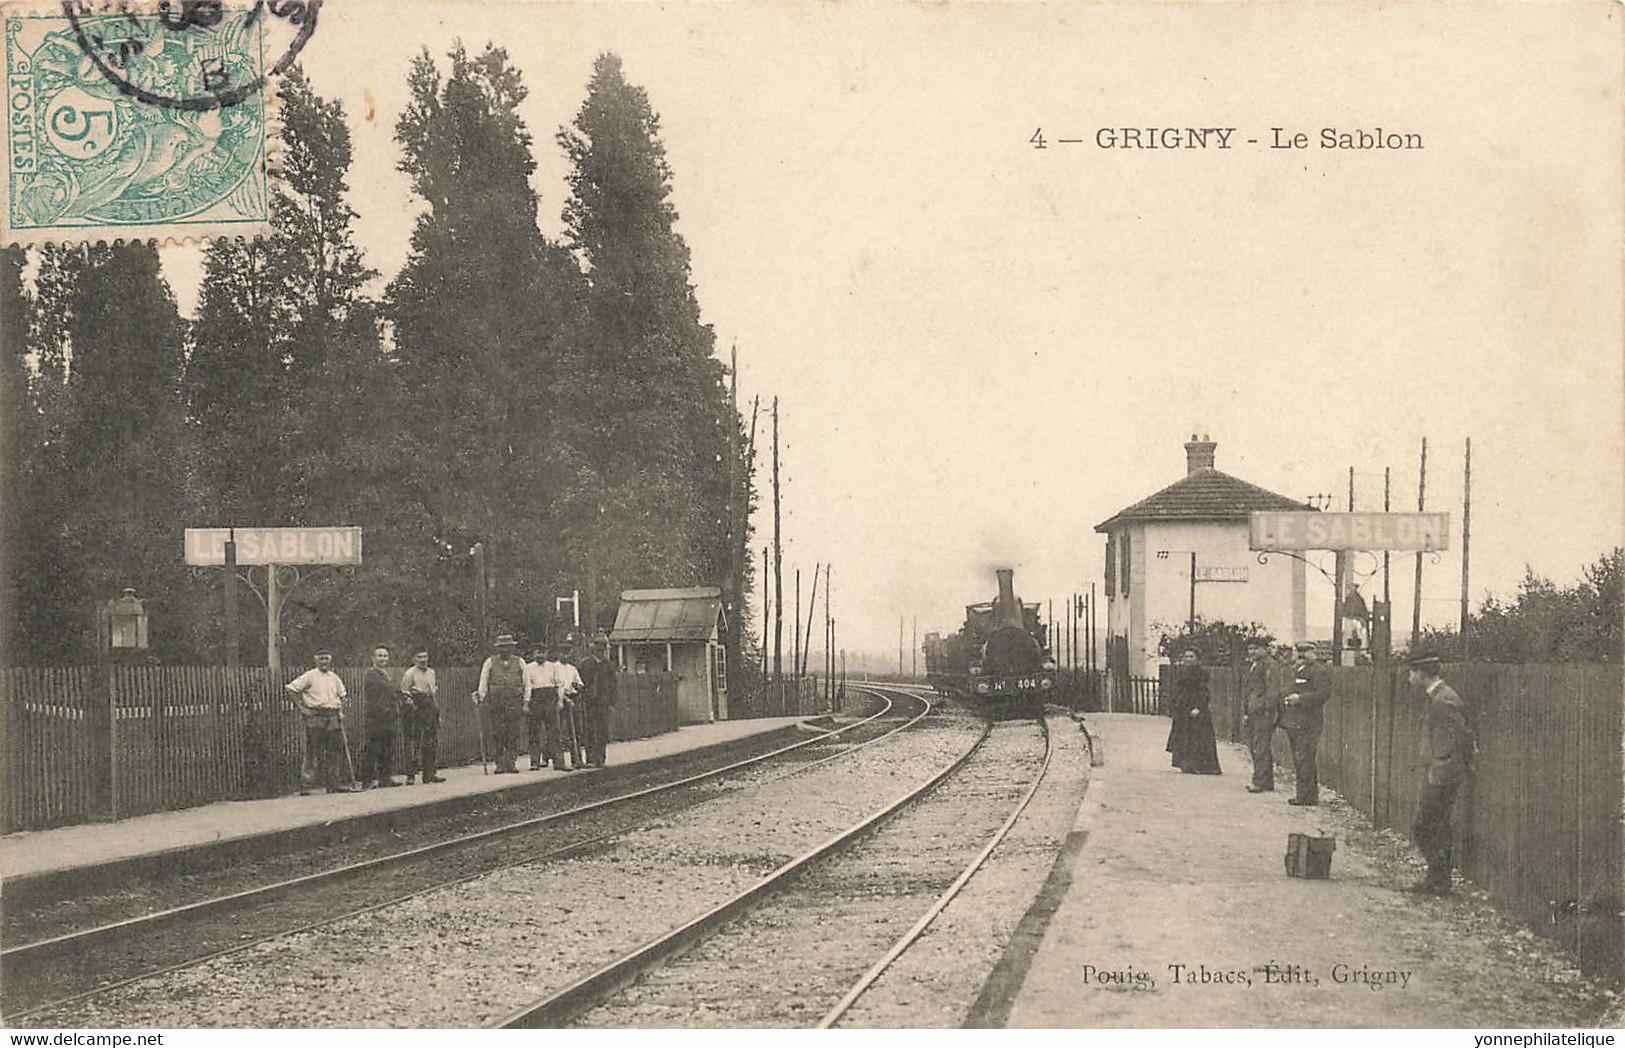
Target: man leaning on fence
point(320, 695)
point(1447, 753)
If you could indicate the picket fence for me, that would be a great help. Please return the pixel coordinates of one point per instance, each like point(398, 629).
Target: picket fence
point(87, 743)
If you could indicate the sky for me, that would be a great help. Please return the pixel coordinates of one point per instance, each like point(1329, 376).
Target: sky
point(982, 349)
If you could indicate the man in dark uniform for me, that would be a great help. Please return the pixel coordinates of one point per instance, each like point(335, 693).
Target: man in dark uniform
point(1303, 716)
point(380, 699)
point(1447, 753)
point(1260, 714)
point(504, 690)
point(597, 697)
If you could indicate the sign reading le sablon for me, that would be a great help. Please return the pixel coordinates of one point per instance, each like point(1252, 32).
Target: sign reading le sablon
point(341, 545)
point(1414, 532)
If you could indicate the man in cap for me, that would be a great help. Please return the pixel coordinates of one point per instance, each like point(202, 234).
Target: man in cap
point(1447, 753)
point(380, 699)
point(320, 693)
point(1260, 714)
point(421, 719)
point(597, 697)
point(504, 691)
point(1303, 716)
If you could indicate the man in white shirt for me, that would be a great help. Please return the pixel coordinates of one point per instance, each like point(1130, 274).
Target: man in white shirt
point(541, 681)
point(319, 693)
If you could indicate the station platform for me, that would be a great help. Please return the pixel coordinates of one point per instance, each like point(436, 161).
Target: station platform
point(1166, 869)
point(75, 851)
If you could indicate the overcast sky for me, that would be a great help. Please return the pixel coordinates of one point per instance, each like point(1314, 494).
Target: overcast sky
point(982, 349)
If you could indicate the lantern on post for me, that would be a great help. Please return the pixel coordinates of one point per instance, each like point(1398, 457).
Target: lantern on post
point(121, 624)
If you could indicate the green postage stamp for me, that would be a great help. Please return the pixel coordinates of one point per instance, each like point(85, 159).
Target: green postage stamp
point(135, 125)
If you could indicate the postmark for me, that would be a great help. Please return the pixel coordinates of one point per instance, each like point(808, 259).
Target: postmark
point(140, 124)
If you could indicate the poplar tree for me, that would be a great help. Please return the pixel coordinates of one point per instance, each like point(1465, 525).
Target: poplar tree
point(289, 392)
point(481, 312)
point(109, 466)
point(646, 385)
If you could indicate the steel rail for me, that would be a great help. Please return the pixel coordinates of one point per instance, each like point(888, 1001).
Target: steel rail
point(563, 1005)
point(77, 940)
point(948, 895)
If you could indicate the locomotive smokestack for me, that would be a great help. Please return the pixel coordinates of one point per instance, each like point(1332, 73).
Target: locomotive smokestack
point(1007, 612)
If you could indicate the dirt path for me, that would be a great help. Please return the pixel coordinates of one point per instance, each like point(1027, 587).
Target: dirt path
point(1182, 870)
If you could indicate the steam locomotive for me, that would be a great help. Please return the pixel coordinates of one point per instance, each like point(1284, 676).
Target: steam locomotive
point(997, 660)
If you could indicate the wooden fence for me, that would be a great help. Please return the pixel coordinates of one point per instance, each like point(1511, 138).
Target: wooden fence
point(1125, 694)
point(1539, 823)
point(87, 743)
point(787, 698)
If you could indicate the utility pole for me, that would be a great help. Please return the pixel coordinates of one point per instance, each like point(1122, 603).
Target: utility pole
point(829, 635)
point(778, 560)
point(812, 605)
point(1421, 504)
point(1190, 625)
point(1387, 493)
point(1466, 535)
point(766, 608)
point(736, 568)
point(795, 635)
point(914, 651)
point(231, 598)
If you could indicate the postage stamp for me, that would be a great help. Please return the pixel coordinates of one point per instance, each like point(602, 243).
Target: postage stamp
point(141, 123)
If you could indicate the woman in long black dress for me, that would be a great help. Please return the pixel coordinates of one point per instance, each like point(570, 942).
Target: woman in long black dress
point(1191, 741)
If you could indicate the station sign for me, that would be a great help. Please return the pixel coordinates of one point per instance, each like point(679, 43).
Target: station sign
point(1410, 532)
point(206, 547)
point(1220, 574)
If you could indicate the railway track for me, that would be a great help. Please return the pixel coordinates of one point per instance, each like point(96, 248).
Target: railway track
point(50, 974)
point(746, 963)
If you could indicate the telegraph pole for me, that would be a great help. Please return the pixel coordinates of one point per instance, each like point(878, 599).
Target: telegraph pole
point(766, 607)
point(1421, 504)
point(914, 652)
point(778, 560)
point(231, 598)
point(1387, 492)
point(795, 635)
point(1466, 535)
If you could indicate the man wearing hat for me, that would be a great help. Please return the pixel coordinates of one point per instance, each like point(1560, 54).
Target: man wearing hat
point(320, 694)
point(1447, 753)
point(1303, 716)
point(1260, 714)
point(597, 697)
point(504, 690)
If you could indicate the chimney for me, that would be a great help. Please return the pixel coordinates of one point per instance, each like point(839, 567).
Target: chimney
point(1198, 454)
point(1007, 612)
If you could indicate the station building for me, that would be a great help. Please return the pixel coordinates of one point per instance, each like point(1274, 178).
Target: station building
point(1149, 547)
point(679, 631)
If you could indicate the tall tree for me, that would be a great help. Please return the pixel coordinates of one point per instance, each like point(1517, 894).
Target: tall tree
point(648, 389)
point(287, 385)
point(109, 488)
point(481, 312)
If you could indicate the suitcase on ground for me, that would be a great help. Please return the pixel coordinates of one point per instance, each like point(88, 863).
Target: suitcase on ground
point(1309, 857)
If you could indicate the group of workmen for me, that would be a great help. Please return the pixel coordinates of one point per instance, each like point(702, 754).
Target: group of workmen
point(561, 698)
point(561, 704)
point(1298, 705)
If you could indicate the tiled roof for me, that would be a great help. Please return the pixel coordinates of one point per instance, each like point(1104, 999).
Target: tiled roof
point(1206, 494)
point(688, 614)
